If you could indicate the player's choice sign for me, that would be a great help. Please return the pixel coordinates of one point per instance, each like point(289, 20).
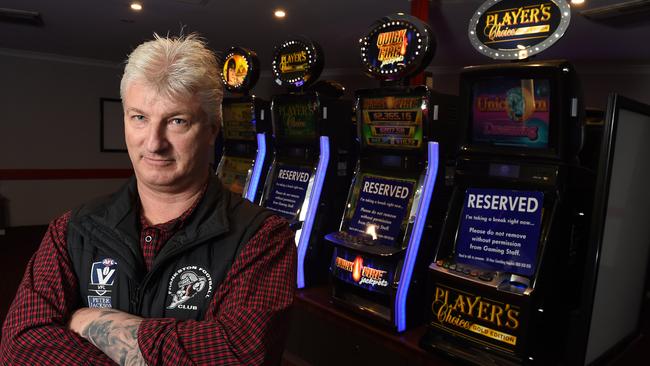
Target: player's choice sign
point(289, 189)
point(477, 317)
point(518, 29)
point(240, 69)
point(297, 63)
point(396, 47)
point(298, 119)
point(381, 207)
point(500, 229)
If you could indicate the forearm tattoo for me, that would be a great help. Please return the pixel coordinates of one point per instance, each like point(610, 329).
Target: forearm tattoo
point(116, 334)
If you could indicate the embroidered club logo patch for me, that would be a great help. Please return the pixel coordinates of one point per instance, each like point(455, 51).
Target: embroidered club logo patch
point(187, 283)
point(102, 276)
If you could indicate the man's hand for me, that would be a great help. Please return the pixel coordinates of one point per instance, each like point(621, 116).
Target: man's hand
point(113, 332)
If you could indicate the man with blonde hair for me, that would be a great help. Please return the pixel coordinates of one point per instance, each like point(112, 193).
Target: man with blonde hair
point(172, 268)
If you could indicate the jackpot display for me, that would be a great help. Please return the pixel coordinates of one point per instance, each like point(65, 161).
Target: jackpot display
point(511, 112)
point(238, 121)
point(392, 121)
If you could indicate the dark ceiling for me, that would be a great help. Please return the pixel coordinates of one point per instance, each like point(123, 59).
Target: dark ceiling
point(109, 29)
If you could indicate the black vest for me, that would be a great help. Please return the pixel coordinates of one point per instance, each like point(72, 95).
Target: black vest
point(104, 246)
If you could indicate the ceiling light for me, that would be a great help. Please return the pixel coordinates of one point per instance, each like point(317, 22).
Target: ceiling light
point(136, 6)
point(577, 2)
point(279, 13)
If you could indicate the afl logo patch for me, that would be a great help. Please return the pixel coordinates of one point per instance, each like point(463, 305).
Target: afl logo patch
point(102, 276)
point(187, 283)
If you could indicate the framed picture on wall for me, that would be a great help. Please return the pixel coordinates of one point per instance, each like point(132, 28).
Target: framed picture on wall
point(111, 125)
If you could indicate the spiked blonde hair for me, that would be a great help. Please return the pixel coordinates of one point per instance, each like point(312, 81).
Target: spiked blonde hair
point(178, 67)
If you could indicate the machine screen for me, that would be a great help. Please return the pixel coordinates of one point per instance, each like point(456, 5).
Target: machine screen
point(287, 194)
point(296, 119)
point(500, 229)
point(381, 205)
point(233, 172)
point(392, 121)
point(238, 121)
point(511, 112)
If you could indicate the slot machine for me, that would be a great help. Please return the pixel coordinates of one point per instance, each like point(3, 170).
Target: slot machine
point(379, 264)
point(506, 275)
point(508, 255)
point(247, 146)
point(312, 130)
point(614, 302)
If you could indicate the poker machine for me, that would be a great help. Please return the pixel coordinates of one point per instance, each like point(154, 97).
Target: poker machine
point(508, 256)
point(312, 165)
point(247, 148)
point(378, 265)
point(507, 271)
point(614, 295)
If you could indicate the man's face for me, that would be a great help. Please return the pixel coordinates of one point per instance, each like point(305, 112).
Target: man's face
point(169, 140)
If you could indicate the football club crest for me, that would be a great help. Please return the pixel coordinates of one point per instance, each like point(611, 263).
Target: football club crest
point(186, 284)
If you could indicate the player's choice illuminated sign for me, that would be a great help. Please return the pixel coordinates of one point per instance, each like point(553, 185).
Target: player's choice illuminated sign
point(240, 69)
point(297, 120)
point(397, 47)
point(518, 29)
point(477, 317)
point(297, 63)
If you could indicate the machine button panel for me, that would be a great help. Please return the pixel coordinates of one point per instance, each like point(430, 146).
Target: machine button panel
point(356, 239)
point(362, 242)
point(465, 270)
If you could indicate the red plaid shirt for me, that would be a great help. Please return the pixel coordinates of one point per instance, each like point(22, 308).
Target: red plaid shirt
point(245, 323)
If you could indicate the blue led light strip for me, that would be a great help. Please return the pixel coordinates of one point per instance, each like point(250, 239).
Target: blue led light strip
point(312, 207)
point(416, 236)
point(257, 168)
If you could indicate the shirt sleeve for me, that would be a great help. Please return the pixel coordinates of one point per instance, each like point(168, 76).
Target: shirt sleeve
point(35, 331)
point(248, 318)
